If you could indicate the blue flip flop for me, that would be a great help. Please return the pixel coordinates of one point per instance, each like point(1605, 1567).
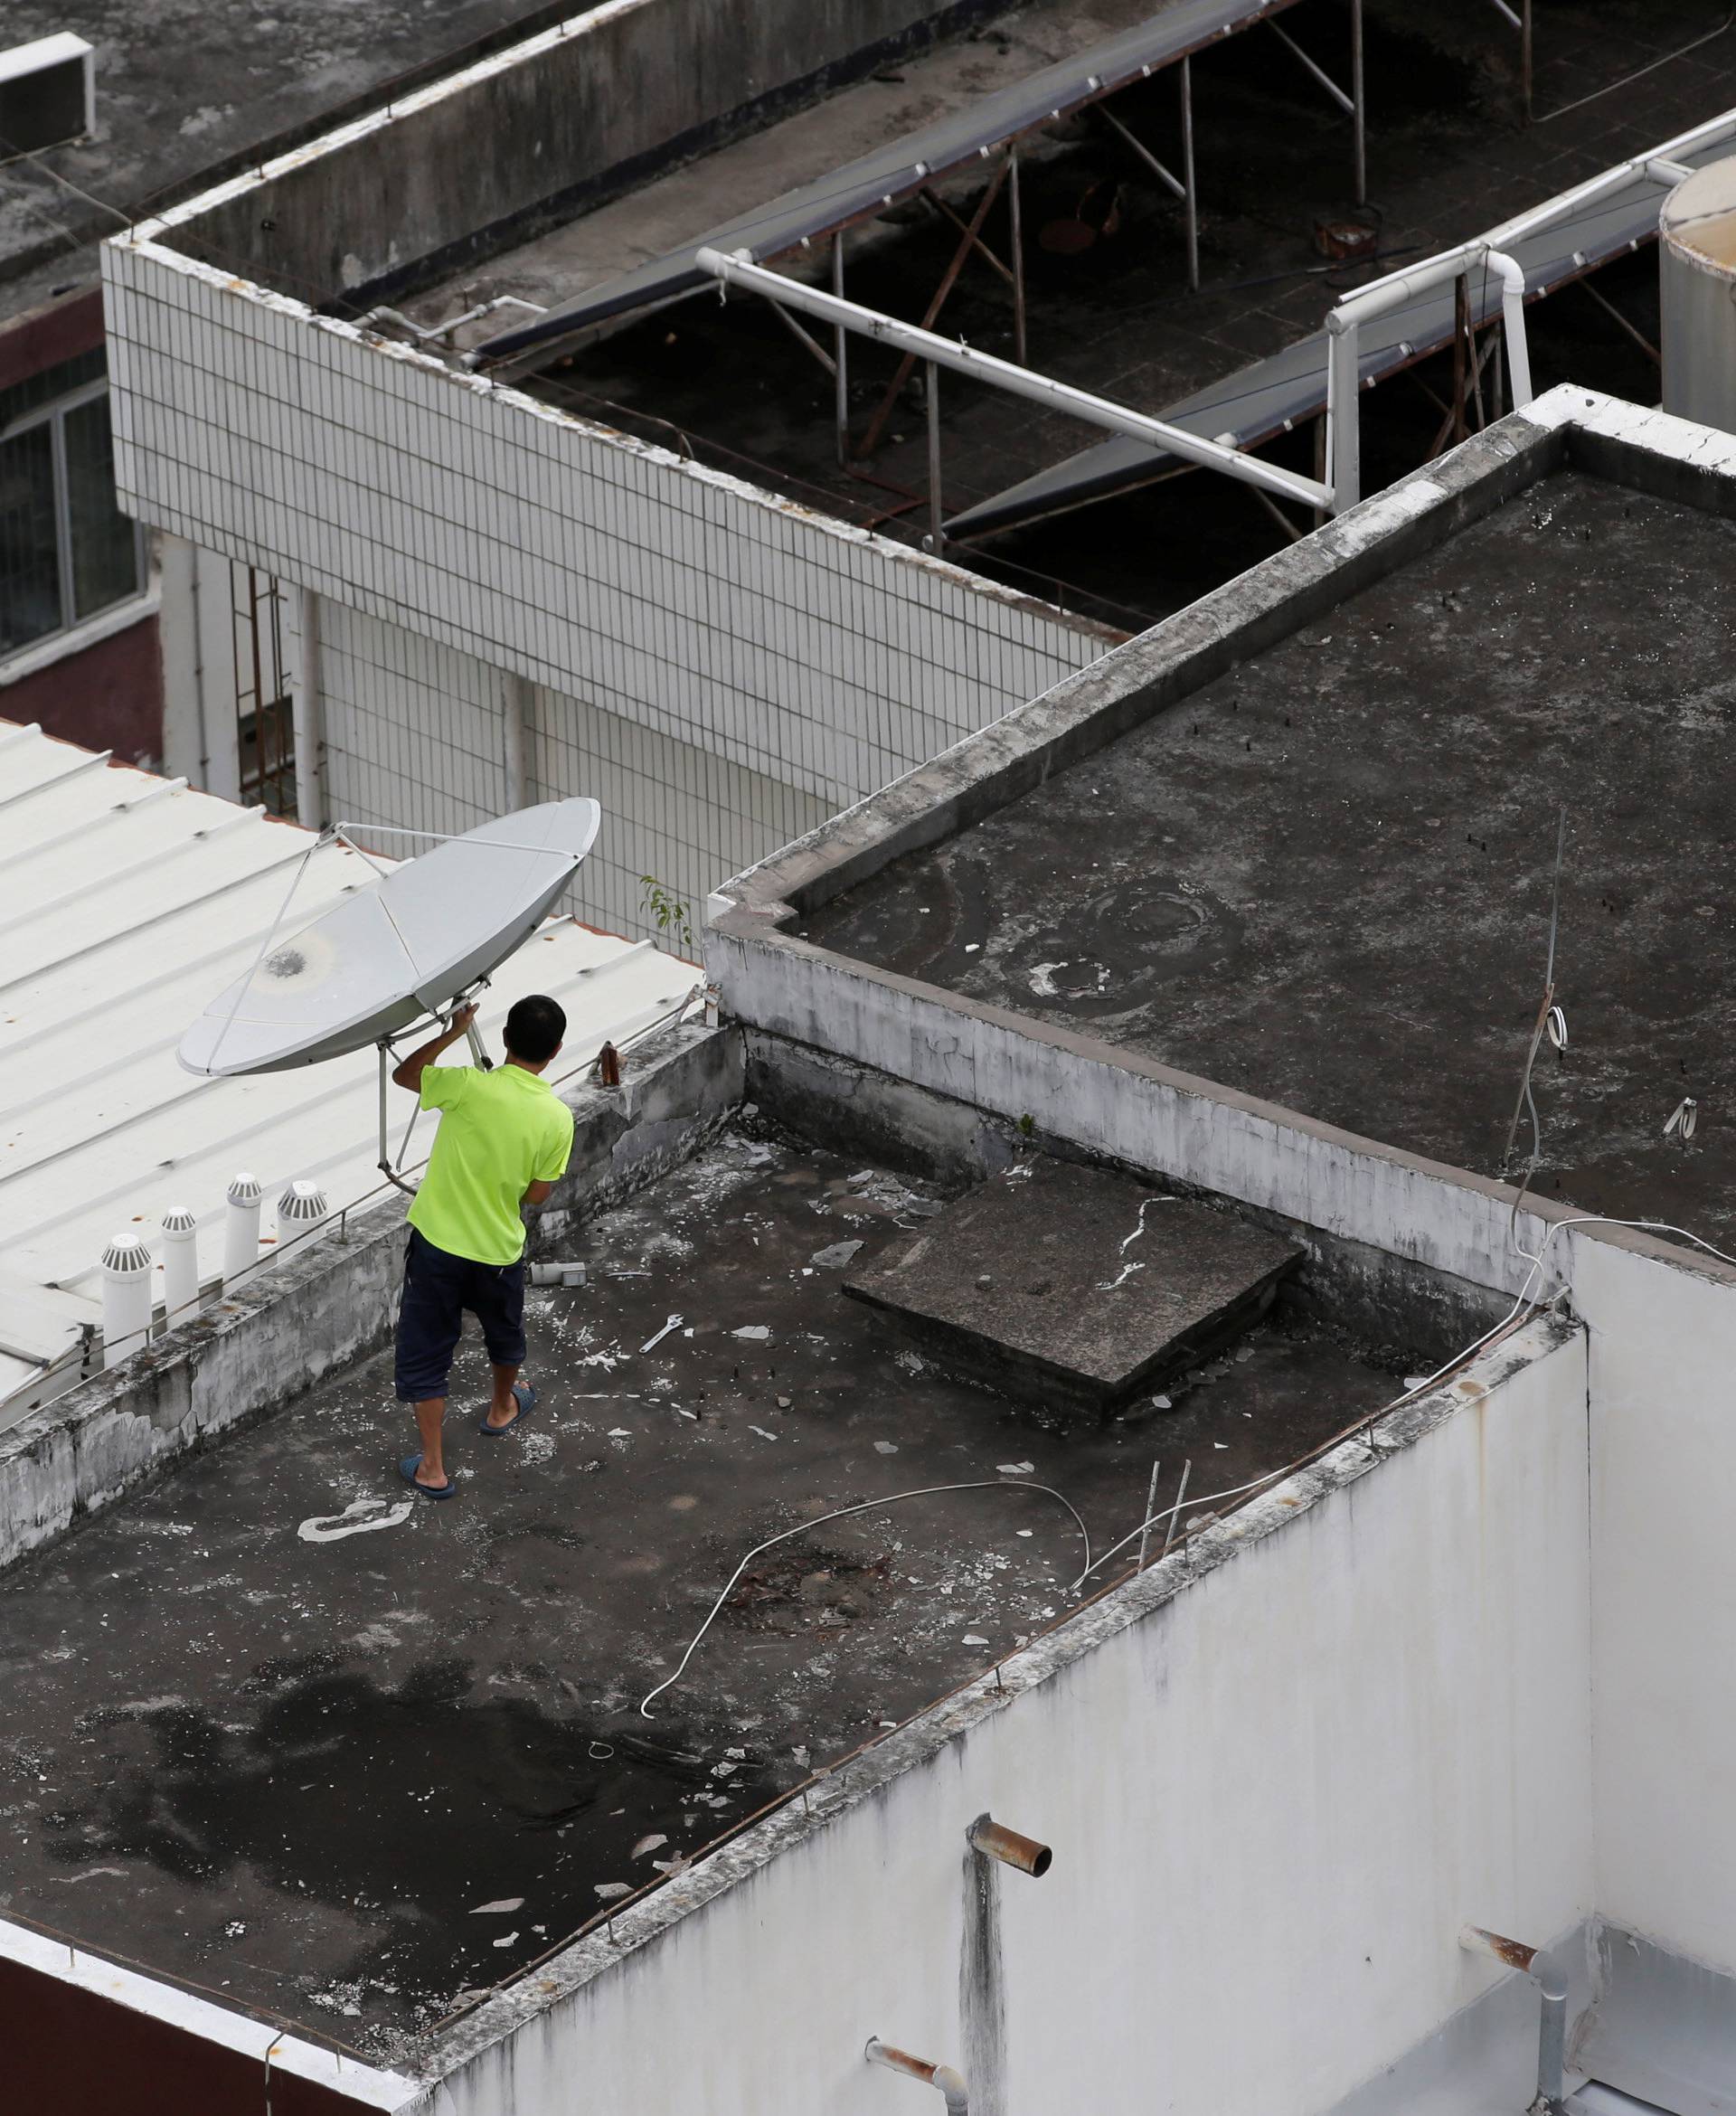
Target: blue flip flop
point(524, 1396)
point(406, 1469)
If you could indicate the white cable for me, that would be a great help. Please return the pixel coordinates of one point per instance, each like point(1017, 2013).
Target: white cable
point(866, 1506)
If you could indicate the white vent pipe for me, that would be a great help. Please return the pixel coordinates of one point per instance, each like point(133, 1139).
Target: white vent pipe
point(126, 1303)
point(242, 1227)
point(180, 1265)
point(300, 1210)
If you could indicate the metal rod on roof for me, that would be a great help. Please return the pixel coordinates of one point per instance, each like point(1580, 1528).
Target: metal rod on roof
point(840, 339)
point(1524, 57)
point(1151, 1512)
point(1192, 190)
point(1359, 99)
point(1019, 382)
point(977, 242)
point(1344, 102)
point(1176, 1511)
point(936, 511)
point(948, 279)
point(803, 337)
point(1143, 151)
point(1017, 241)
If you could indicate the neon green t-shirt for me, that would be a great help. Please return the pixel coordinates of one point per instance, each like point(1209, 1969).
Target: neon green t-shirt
point(500, 1132)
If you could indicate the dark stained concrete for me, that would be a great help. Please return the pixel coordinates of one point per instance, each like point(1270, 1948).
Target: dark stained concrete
point(294, 1771)
point(1068, 1288)
point(1324, 879)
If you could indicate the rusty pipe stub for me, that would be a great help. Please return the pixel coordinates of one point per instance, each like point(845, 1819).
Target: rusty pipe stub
point(942, 2076)
point(1474, 1939)
point(994, 1840)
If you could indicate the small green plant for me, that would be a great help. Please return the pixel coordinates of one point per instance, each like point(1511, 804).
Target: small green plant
point(1027, 1126)
point(667, 911)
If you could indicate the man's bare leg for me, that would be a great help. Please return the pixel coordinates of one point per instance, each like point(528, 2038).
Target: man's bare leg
point(501, 1409)
point(430, 1415)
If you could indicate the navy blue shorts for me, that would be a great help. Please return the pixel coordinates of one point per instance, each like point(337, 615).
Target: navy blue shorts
point(437, 1288)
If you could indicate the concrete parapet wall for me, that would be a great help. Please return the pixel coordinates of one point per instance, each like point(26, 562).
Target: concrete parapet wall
point(1312, 1743)
point(533, 134)
point(329, 1302)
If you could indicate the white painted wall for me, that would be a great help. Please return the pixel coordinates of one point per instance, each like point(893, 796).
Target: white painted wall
point(1664, 1597)
point(415, 736)
point(676, 600)
point(1273, 1800)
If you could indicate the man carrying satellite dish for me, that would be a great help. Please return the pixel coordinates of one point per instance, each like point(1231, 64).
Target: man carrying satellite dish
point(503, 1138)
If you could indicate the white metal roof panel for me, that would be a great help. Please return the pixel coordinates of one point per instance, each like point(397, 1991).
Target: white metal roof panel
point(126, 901)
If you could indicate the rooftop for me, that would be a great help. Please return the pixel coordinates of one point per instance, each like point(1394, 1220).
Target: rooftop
point(1324, 878)
point(185, 93)
point(131, 900)
point(366, 1775)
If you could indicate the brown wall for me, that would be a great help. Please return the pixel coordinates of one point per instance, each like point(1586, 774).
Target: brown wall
point(67, 2052)
point(109, 697)
point(45, 336)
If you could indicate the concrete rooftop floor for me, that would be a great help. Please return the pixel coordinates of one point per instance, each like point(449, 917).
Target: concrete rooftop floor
point(295, 1769)
point(1324, 879)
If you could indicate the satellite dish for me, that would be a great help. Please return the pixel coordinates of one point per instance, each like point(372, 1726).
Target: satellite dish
point(380, 960)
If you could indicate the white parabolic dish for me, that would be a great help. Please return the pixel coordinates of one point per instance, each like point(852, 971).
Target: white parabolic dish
point(398, 950)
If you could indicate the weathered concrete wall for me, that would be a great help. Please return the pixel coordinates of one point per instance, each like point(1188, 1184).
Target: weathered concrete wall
point(331, 1302)
point(1277, 1771)
point(532, 134)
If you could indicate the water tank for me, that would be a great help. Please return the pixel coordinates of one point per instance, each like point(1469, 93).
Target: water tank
point(1697, 290)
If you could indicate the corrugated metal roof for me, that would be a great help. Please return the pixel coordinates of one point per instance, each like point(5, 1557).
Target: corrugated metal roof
point(126, 901)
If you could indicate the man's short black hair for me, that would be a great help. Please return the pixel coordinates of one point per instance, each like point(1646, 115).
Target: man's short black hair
point(534, 1029)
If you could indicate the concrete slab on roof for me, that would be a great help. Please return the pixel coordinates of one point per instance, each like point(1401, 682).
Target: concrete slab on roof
point(129, 900)
point(1069, 1288)
point(363, 1729)
point(1322, 877)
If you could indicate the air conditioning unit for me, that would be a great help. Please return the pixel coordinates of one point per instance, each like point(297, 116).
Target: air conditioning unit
point(48, 94)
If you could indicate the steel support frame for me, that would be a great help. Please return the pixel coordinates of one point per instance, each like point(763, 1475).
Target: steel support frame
point(1352, 103)
point(919, 344)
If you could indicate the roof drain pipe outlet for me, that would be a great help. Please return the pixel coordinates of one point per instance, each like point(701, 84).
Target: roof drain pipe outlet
point(180, 1265)
point(994, 1840)
point(242, 1227)
point(127, 1301)
point(935, 2075)
point(1550, 1980)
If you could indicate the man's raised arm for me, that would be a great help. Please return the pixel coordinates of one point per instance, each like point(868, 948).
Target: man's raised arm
point(410, 1073)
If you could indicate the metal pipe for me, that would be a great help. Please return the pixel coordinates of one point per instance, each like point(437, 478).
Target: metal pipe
point(935, 2075)
point(1191, 191)
point(1143, 151)
point(1524, 57)
point(1016, 239)
point(1151, 1509)
point(994, 1840)
point(1359, 102)
point(180, 1265)
point(931, 393)
point(840, 340)
point(1344, 374)
point(242, 1226)
point(1020, 382)
point(126, 1300)
point(1550, 1976)
point(308, 719)
point(1319, 73)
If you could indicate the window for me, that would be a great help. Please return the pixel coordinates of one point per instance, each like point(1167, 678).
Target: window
point(66, 550)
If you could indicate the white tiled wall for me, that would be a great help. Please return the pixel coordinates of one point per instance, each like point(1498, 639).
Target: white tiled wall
point(415, 739)
point(664, 593)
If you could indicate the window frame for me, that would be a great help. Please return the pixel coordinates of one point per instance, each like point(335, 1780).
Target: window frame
point(53, 414)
